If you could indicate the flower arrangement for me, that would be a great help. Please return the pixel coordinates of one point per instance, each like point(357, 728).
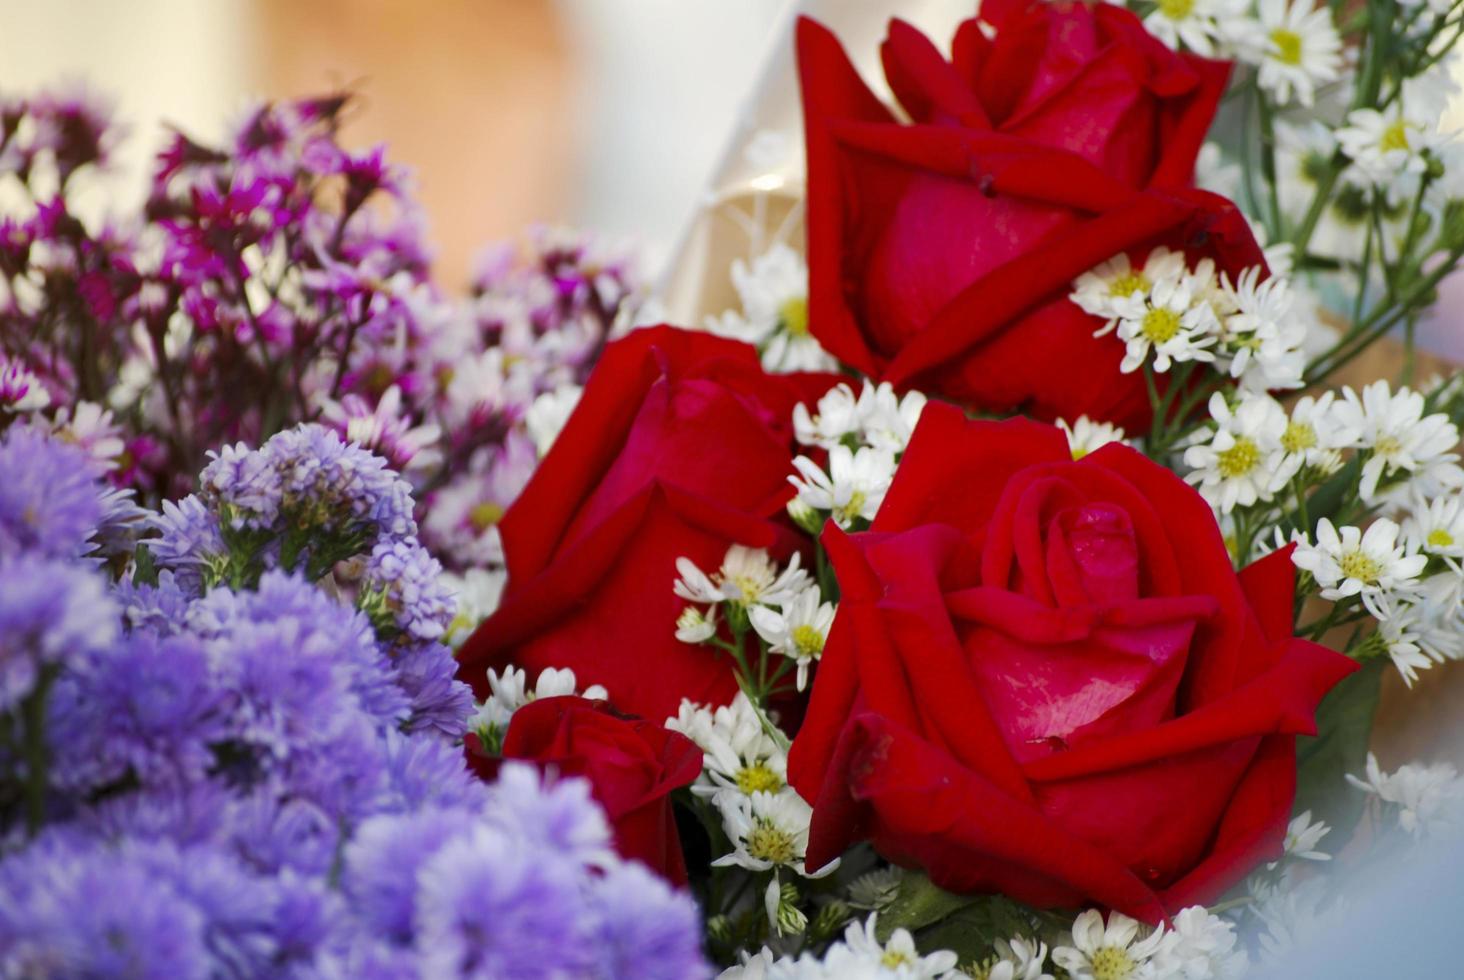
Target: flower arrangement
point(1004, 590)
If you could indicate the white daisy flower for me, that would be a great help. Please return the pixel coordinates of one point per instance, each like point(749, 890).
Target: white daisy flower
point(1425, 795)
point(477, 592)
point(1111, 952)
point(1302, 837)
point(774, 317)
point(767, 830)
point(1296, 913)
point(509, 692)
point(747, 577)
point(836, 421)
point(695, 626)
point(1242, 462)
point(1385, 146)
point(898, 955)
point(1168, 321)
point(1397, 635)
point(1351, 563)
point(739, 755)
point(1437, 527)
point(1014, 959)
point(1200, 946)
point(21, 390)
point(1312, 435)
point(875, 889)
point(1099, 290)
point(852, 489)
point(752, 967)
point(1085, 435)
point(887, 420)
point(1263, 338)
point(797, 631)
point(1194, 23)
point(549, 412)
point(1295, 46)
point(1398, 435)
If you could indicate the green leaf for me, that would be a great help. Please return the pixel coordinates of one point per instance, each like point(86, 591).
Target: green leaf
point(972, 931)
point(144, 569)
point(1344, 725)
point(919, 903)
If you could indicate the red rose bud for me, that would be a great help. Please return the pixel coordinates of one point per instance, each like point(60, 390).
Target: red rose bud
point(632, 766)
point(941, 254)
point(1046, 680)
point(680, 447)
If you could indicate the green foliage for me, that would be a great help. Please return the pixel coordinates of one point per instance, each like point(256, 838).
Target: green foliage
point(1344, 723)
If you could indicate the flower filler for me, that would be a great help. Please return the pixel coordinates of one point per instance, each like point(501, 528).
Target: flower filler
point(1004, 588)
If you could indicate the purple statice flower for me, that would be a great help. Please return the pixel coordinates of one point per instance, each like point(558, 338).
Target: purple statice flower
point(190, 543)
point(270, 833)
point(333, 487)
point(403, 592)
point(51, 499)
point(76, 909)
point(487, 908)
point(51, 612)
point(159, 609)
point(242, 486)
point(440, 702)
point(382, 862)
point(302, 668)
point(150, 708)
point(646, 929)
point(429, 772)
point(553, 816)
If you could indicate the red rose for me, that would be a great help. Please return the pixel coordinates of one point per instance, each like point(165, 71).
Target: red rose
point(632, 765)
point(941, 254)
point(1046, 680)
point(680, 447)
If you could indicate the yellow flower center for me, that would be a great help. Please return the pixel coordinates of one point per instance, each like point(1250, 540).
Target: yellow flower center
point(893, 959)
point(768, 843)
point(1240, 458)
point(485, 515)
point(1112, 963)
point(1440, 539)
point(1176, 9)
point(1298, 437)
point(1357, 565)
point(794, 315)
point(758, 778)
point(1160, 325)
point(1132, 282)
point(809, 641)
point(851, 510)
point(1395, 137)
point(1288, 46)
point(1388, 446)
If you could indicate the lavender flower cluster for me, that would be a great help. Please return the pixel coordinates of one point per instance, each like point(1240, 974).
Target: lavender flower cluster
point(280, 278)
point(247, 774)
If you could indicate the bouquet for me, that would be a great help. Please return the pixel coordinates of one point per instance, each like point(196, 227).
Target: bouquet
point(1003, 588)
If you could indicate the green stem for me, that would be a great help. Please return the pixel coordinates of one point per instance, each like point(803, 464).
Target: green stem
point(37, 755)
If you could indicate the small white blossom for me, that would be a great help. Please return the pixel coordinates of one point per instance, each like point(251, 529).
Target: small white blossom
point(852, 489)
point(1170, 321)
point(1385, 146)
point(695, 626)
point(1263, 338)
point(1425, 795)
point(747, 577)
point(1399, 437)
point(1312, 436)
point(1200, 946)
point(898, 954)
point(877, 418)
point(1085, 435)
point(1349, 563)
point(774, 316)
point(1295, 46)
point(1111, 952)
point(1196, 23)
point(1241, 462)
point(1437, 527)
point(509, 692)
point(768, 830)
point(1100, 290)
point(739, 755)
point(477, 592)
point(546, 417)
point(797, 631)
point(1014, 959)
point(1302, 837)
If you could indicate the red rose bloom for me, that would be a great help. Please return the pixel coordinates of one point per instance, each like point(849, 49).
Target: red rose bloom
point(632, 765)
point(1046, 680)
point(680, 447)
point(941, 254)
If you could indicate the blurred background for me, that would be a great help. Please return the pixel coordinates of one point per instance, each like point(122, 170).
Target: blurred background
point(604, 114)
